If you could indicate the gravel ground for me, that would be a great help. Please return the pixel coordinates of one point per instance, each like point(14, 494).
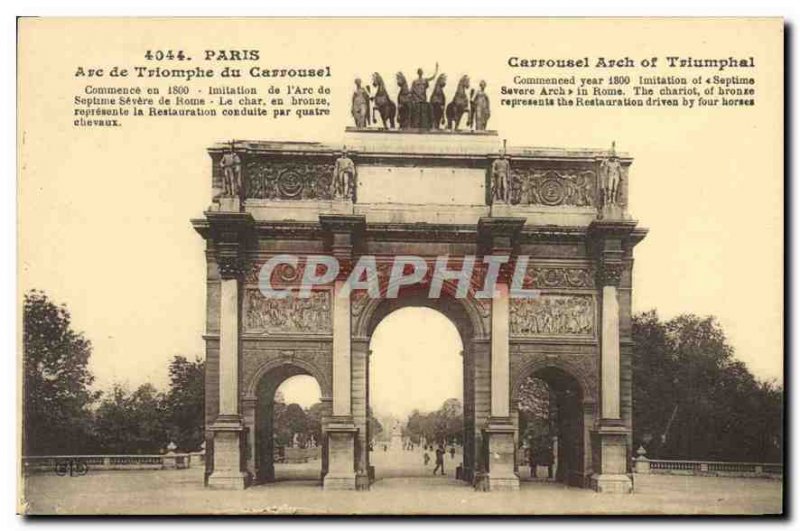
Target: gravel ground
point(404, 486)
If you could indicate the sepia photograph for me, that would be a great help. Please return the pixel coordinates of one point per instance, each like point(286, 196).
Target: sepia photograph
point(400, 266)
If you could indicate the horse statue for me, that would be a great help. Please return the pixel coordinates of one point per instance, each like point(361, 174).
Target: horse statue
point(460, 104)
point(382, 103)
point(438, 100)
point(403, 102)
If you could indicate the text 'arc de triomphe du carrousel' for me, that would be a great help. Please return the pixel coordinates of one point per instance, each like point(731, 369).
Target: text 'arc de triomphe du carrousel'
point(409, 183)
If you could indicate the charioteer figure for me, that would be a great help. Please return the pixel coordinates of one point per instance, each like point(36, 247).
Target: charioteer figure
point(420, 107)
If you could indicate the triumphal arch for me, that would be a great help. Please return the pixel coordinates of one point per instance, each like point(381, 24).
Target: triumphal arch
point(384, 194)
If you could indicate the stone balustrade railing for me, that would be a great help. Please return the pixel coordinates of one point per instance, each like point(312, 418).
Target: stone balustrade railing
point(63, 464)
point(643, 465)
point(298, 455)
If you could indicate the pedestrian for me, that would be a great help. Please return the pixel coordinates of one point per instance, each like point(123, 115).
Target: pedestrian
point(439, 460)
point(452, 452)
point(426, 458)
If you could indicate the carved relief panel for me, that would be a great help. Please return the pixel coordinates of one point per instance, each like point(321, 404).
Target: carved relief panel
point(290, 315)
point(549, 187)
point(541, 276)
point(287, 180)
point(553, 315)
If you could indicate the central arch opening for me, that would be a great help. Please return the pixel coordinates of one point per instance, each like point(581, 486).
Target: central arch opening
point(416, 394)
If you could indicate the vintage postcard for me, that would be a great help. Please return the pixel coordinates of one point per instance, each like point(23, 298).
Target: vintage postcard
point(400, 266)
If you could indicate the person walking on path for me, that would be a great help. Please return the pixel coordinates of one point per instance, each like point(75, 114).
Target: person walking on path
point(439, 460)
point(426, 457)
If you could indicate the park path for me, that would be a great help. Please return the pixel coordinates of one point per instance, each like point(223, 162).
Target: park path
point(403, 486)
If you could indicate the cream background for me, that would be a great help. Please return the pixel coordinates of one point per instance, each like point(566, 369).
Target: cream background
point(104, 214)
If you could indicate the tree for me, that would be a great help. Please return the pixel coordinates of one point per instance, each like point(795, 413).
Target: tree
point(417, 427)
point(185, 403)
point(534, 397)
point(445, 425)
point(536, 428)
point(315, 414)
point(693, 400)
point(132, 423)
point(287, 421)
point(56, 381)
point(450, 421)
point(375, 426)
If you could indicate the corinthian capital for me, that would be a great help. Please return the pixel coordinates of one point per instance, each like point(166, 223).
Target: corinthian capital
point(230, 263)
point(610, 272)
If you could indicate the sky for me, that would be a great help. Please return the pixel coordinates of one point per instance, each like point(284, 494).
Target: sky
point(104, 215)
point(407, 371)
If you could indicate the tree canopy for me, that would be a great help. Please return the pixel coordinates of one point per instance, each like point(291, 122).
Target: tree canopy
point(131, 422)
point(56, 379)
point(693, 400)
point(445, 425)
point(185, 402)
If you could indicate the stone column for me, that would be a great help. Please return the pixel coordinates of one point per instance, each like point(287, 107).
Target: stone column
point(327, 402)
point(500, 369)
point(469, 457)
point(515, 423)
point(479, 404)
point(266, 443)
point(360, 385)
point(340, 429)
point(340, 434)
point(249, 418)
point(341, 352)
point(228, 233)
point(611, 437)
point(229, 347)
point(496, 236)
point(228, 470)
point(609, 353)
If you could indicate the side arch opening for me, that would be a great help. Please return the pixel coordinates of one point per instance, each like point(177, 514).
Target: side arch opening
point(552, 437)
point(288, 441)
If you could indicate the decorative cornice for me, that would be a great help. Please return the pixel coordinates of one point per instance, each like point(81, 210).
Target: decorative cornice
point(553, 234)
point(612, 228)
point(289, 230)
point(341, 223)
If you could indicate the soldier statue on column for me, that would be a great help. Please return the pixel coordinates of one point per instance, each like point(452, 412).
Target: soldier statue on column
point(611, 177)
point(344, 176)
point(501, 170)
point(231, 166)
